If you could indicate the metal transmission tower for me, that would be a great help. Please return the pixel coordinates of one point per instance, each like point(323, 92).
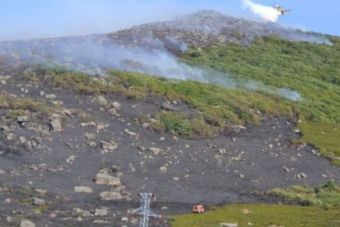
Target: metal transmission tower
point(144, 210)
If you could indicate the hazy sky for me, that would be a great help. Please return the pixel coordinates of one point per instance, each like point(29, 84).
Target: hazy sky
point(22, 19)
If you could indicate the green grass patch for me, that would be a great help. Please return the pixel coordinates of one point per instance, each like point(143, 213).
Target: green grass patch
point(182, 125)
point(218, 107)
point(15, 106)
point(312, 70)
point(261, 215)
point(326, 196)
point(325, 136)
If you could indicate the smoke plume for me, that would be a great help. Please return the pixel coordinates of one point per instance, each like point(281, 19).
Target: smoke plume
point(95, 56)
point(267, 13)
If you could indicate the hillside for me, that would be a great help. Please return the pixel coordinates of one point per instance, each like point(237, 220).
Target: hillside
point(204, 109)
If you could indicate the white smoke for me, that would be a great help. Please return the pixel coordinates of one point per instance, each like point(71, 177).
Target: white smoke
point(90, 56)
point(267, 13)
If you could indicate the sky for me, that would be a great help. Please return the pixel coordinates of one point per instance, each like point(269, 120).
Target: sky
point(26, 19)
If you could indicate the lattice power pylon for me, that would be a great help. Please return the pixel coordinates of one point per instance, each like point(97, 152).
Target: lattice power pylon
point(144, 210)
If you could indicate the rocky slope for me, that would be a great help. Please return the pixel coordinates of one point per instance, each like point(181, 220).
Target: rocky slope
point(80, 159)
point(73, 159)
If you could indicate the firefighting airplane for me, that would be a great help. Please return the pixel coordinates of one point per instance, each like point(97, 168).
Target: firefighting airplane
point(281, 10)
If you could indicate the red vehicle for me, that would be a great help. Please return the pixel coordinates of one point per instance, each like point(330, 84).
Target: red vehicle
point(198, 209)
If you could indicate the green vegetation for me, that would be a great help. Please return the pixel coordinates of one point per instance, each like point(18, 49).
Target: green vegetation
point(15, 107)
point(216, 107)
point(325, 136)
point(312, 70)
point(181, 125)
point(81, 83)
point(261, 215)
point(326, 196)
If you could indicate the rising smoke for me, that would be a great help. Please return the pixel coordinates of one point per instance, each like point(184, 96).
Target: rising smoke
point(267, 13)
point(93, 56)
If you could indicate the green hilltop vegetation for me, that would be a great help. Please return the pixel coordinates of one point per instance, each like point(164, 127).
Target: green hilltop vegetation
point(310, 69)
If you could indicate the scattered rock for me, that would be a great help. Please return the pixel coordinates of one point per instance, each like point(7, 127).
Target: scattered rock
point(81, 212)
point(51, 96)
point(130, 133)
point(168, 107)
point(38, 202)
point(103, 177)
point(111, 196)
point(56, 124)
point(117, 106)
point(101, 100)
point(286, 169)
point(104, 211)
point(71, 159)
point(26, 223)
point(226, 224)
point(41, 192)
point(156, 150)
point(109, 146)
point(23, 119)
point(300, 176)
point(163, 169)
point(83, 189)
point(175, 178)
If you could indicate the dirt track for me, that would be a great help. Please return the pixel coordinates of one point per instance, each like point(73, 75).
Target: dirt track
point(227, 169)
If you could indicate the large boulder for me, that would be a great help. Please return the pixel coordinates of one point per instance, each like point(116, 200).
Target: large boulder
point(103, 177)
point(111, 196)
point(101, 100)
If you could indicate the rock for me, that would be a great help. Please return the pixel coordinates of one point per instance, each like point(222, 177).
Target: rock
point(104, 178)
point(3, 82)
point(130, 133)
point(270, 146)
point(111, 196)
point(114, 112)
point(26, 223)
point(41, 192)
point(168, 107)
point(83, 189)
point(163, 169)
point(104, 211)
point(38, 202)
point(81, 212)
point(101, 222)
point(237, 128)
point(300, 176)
point(55, 124)
point(226, 224)
point(286, 169)
point(51, 96)
point(23, 119)
point(101, 100)
point(71, 159)
point(109, 146)
point(175, 178)
point(125, 219)
point(156, 150)
point(117, 106)
point(2, 172)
